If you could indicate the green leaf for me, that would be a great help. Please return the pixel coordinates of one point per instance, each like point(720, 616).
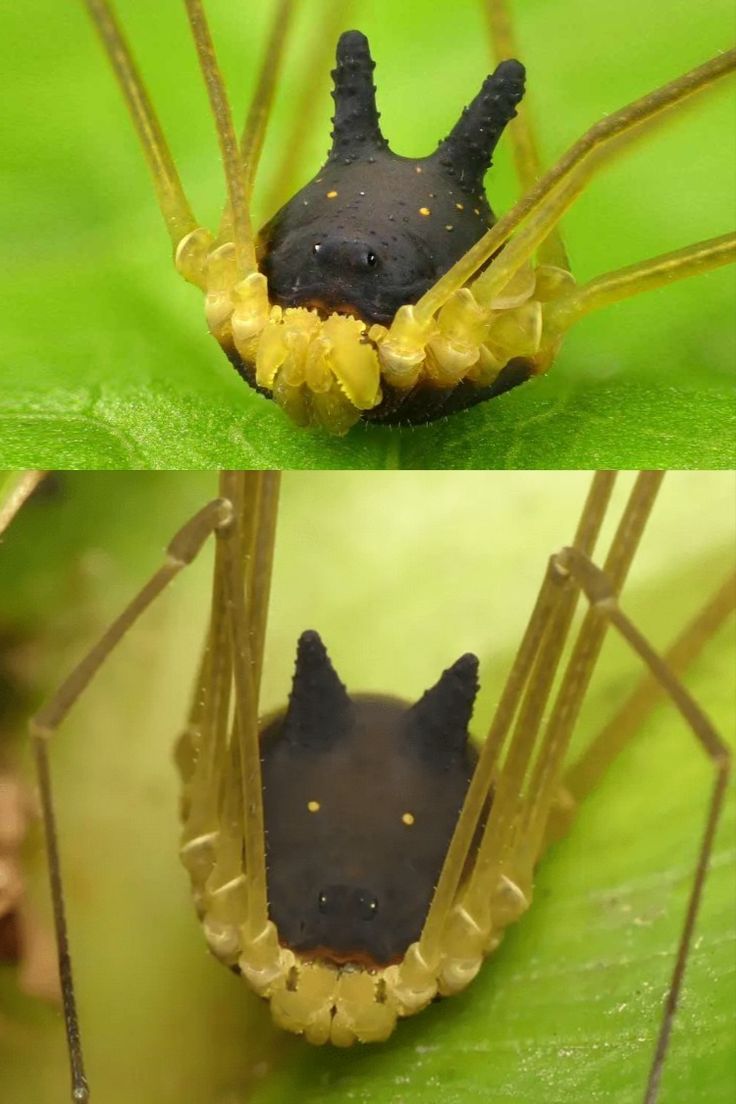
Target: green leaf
point(401, 573)
point(106, 361)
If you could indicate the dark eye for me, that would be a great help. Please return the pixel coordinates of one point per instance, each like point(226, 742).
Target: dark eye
point(367, 906)
point(371, 259)
point(316, 247)
point(322, 902)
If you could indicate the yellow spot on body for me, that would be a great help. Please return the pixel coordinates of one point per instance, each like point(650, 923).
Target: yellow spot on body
point(424, 211)
point(449, 227)
point(313, 806)
point(459, 206)
point(476, 211)
point(418, 168)
point(407, 818)
point(332, 194)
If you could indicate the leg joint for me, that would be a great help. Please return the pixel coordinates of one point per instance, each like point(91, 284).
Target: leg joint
point(216, 516)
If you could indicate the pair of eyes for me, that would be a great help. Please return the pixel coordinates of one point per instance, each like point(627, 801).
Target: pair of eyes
point(370, 259)
point(367, 905)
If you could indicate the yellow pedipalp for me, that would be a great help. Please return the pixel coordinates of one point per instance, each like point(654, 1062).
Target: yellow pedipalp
point(353, 360)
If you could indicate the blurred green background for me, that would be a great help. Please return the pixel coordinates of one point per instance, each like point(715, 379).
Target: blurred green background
point(106, 361)
point(401, 573)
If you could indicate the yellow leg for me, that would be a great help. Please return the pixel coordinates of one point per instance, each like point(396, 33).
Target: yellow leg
point(247, 609)
point(223, 840)
point(215, 516)
point(171, 198)
point(538, 654)
point(647, 275)
point(521, 131)
point(254, 129)
point(578, 673)
point(541, 209)
point(601, 593)
point(527, 784)
point(245, 256)
point(586, 773)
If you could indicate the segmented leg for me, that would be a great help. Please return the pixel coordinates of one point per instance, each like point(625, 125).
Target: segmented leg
point(216, 516)
point(587, 771)
point(537, 657)
point(521, 131)
point(634, 279)
point(245, 255)
point(486, 885)
point(223, 846)
point(497, 888)
point(254, 131)
point(171, 198)
point(578, 673)
point(601, 593)
point(254, 128)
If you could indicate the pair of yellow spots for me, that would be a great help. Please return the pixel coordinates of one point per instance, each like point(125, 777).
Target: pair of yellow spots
point(425, 211)
point(406, 818)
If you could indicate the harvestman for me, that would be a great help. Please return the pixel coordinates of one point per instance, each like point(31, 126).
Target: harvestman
point(518, 799)
point(381, 289)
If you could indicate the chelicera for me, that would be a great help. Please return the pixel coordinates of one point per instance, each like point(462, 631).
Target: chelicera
point(352, 857)
point(385, 289)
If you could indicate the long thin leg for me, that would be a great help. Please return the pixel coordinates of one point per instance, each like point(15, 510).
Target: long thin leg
point(216, 515)
point(521, 131)
point(545, 204)
point(644, 276)
point(223, 832)
point(601, 593)
point(544, 636)
point(579, 671)
point(245, 255)
point(320, 52)
point(254, 131)
point(526, 786)
point(586, 773)
point(249, 606)
point(171, 198)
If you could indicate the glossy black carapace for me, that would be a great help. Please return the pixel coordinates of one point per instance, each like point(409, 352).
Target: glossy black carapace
point(374, 230)
point(361, 796)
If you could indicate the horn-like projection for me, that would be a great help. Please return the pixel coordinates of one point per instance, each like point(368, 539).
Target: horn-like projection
point(355, 125)
point(438, 723)
point(467, 151)
point(319, 707)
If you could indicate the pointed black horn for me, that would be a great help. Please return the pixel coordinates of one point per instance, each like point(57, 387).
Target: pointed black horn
point(439, 721)
point(319, 706)
point(467, 151)
point(355, 124)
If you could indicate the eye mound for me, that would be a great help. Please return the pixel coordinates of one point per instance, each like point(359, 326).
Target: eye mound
point(371, 259)
point(316, 247)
